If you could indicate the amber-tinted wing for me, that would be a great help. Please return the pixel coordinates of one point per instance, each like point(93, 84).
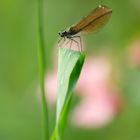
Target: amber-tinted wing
point(94, 21)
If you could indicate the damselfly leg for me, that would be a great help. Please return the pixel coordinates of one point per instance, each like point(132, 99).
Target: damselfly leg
point(65, 41)
point(79, 42)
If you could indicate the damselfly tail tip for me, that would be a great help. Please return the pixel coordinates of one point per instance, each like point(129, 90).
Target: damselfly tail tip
point(104, 7)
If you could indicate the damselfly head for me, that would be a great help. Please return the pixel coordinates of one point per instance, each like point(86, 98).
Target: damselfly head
point(63, 34)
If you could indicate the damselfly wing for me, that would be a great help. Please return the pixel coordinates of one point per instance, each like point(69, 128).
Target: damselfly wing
point(94, 21)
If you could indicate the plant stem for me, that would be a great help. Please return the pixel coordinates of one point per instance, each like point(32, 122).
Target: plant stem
point(41, 57)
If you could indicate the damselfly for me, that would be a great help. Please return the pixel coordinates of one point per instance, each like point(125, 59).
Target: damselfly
point(93, 22)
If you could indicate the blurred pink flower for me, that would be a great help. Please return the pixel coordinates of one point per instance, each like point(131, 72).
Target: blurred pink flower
point(133, 53)
point(100, 101)
point(94, 76)
point(50, 87)
point(95, 112)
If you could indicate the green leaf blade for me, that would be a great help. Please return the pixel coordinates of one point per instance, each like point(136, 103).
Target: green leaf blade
point(69, 68)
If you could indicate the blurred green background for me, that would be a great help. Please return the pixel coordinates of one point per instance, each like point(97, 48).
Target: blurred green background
point(20, 117)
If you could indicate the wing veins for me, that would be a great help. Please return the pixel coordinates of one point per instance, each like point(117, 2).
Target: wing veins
point(94, 21)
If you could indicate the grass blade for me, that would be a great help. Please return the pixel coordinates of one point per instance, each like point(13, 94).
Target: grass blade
point(69, 68)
